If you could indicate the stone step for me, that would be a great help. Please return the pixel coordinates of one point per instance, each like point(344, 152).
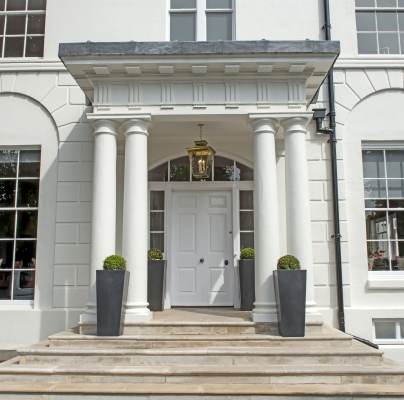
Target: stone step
point(158, 327)
point(73, 340)
point(357, 354)
point(119, 391)
point(198, 374)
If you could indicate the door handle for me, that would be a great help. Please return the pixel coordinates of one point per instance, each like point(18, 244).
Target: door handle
point(202, 260)
point(226, 262)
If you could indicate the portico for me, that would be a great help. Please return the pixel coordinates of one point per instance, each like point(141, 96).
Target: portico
point(265, 85)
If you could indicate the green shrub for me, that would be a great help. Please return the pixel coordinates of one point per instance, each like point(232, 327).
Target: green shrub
point(155, 254)
point(288, 262)
point(247, 253)
point(114, 263)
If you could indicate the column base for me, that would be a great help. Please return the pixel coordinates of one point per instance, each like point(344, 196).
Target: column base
point(264, 313)
point(89, 316)
point(137, 313)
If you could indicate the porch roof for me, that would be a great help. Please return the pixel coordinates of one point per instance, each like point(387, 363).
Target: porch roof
point(300, 66)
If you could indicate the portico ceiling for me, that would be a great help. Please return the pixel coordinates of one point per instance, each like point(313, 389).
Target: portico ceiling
point(204, 77)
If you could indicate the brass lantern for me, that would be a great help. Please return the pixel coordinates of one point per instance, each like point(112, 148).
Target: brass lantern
point(201, 157)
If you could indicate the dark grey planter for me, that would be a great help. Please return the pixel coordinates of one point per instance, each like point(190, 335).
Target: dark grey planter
point(246, 270)
point(156, 271)
point(290, 292)
point(112, 289)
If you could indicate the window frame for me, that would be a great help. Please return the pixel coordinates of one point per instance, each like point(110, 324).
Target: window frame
point(201, 11)
point(377, 9)
point(381, 146)
point(3, 34)
point(398, 340)
point(16, 302)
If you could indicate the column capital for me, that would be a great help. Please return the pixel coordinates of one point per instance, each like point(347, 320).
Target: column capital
point(295, 124)
point(104, 126)
point(264, 125)
point(138, 126)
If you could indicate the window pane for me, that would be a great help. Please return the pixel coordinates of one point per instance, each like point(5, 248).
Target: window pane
point(374, 188)
point(1, 24)
point(376, 225)
point(401, 3)
point(13, 5)
point(218, 3)
point(246, 220)
point(396, 222)
point(157, 221)
point(183, 3)
point(367, 43)
point(402, 324)
point(182, 26)
point(373, 164)
point(159, 174)
point(366, 21)
point(26, 224)
point(157, 241)
point(28, 193)
point(25, 254)
point(8, 163)
point(157, 200)
point(388, 43)
point(364, 3)
point(397, 255)
point(401, 21)
point(179, 169)
point(6, 253)
point(396, 203)
point(246, 200)
point(396, 188)
point(385, 329)
point(34, 46)
point(246, 239)
point(5, 285)
point(219, 26)
point(224, 169)
point(7, 193)
point(15, 25)
point(36, 24)
point(37, 5)
point(395, 163)
point(386, 3)
point(2, 3)
point(24, 283)
point(29, 163)
point(378, 256)
point(376, 203)
point(7, 224)
point(245, 173)
point(14, 47)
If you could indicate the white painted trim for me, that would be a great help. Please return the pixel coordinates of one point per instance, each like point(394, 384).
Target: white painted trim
point(362, 62)
point(30, 65)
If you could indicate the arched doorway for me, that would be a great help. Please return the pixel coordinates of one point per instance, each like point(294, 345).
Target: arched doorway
point(201, 226)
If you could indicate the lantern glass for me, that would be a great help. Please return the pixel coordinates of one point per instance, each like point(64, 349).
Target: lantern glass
point(201, 160)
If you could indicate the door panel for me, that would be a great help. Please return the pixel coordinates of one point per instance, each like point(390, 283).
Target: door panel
point(202, 243)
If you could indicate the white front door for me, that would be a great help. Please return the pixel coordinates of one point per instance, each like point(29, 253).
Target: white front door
point(202, 263)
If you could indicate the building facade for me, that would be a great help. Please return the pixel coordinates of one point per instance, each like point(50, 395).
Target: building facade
point(99, 101)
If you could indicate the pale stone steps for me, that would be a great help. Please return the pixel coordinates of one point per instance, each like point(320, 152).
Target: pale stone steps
point(357, 353)
point(280, 374)
point(74, 340)
point(110, 391)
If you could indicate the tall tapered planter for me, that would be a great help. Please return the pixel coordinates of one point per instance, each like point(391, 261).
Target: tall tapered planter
point(290, 291)
point(156, 270)
point(112, 287)
point(246, 269)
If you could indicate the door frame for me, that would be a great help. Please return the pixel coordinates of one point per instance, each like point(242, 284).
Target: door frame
point(169, 188)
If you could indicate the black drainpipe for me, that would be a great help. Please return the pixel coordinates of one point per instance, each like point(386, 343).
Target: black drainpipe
point(334, 171)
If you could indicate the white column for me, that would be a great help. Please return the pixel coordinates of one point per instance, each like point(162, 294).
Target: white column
point(103, 226)
point(265, 218)
point(135, 218)
point(299, 241)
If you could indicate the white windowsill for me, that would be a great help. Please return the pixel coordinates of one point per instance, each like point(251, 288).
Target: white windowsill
point(385, 280)
point(31, 64)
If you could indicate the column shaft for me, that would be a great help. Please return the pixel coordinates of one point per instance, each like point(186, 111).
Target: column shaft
point(135, 218)
point(103, 226)
point(299, 239)
point(266, 219)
